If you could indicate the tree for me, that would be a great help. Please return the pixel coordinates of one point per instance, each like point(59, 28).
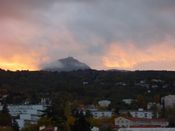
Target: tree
point(6, 129)
point(30, 127)
point(157, 98)
point(15, 125)
point(141, 101)
point(106, 129)
point(81, 123)
point(170, 116)
point(5, 117)
point(45, 121)
point(58, 112)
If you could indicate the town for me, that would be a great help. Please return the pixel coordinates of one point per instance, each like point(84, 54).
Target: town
point(61, 113)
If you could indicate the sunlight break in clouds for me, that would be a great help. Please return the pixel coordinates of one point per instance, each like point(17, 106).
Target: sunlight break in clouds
point(157, 57)
point(17, 53)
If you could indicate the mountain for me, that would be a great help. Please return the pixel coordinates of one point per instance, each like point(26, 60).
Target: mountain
point(66, 64)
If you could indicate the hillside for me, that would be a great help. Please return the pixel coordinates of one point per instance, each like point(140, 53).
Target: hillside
point(87, 85)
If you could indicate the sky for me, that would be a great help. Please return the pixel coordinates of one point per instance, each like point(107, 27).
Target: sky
point(105, 34)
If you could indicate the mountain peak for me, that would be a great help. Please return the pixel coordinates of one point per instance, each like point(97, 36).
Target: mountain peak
point(66, 64)
point(70, 59)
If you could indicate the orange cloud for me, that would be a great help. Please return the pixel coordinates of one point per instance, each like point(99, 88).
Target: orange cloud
point(15, 66)
point(19, 62)
point(17, 50)
point(131, 57)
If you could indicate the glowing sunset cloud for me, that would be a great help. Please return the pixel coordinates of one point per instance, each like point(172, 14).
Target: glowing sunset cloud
point(16, 66)
point(131, 57)
point(18, 62)
point(105, 34)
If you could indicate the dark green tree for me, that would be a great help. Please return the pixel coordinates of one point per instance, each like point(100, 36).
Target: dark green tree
point(57, 112)
point(15, 125)
point(81, 123)
point(5, 117)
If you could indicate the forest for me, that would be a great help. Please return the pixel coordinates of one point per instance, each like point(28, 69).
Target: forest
point(89, 86)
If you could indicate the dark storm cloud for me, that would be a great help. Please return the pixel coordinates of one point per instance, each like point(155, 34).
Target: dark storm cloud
point(141, 21)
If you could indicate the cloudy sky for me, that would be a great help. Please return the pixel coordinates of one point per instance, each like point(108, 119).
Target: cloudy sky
point(105, 34)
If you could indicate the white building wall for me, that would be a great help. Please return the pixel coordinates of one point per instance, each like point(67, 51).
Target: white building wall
point(128, 101)
point(25, 117)
point(104, 103)
point(30, 113)
point(99, 114)
point(95, 129)
point(142, 114)
point(20, 122)
point(123, 122)
point(169, 101)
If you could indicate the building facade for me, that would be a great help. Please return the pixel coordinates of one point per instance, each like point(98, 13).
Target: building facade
point(104, 103)
point(168, 101)
point(101, 114)
point(127, 122)
point(140, 113)
point(26, 113)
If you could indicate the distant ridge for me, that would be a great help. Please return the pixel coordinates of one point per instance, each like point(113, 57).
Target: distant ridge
point(66, 64)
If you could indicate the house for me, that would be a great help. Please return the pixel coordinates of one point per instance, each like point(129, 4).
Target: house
point(26, 113)
point(128, 101)
point(139, 122)
point(168, 101)
point(101, 114)
point(153, 104)
point(157, 80)
point(95, 129)
point(140, 113)
point(97, 113)
point(142, 83)
point(104, 103)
